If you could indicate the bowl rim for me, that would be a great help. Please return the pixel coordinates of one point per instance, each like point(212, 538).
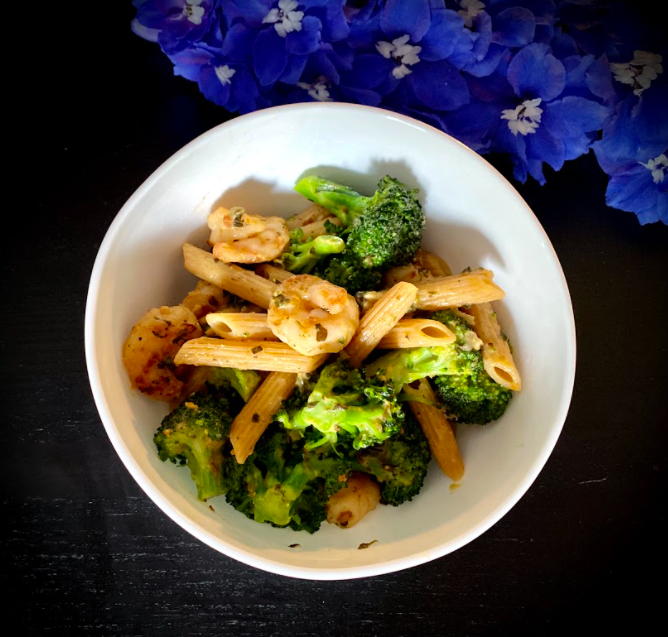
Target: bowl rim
point(219, 544)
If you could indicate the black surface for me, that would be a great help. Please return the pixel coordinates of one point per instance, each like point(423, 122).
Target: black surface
point(86, 552)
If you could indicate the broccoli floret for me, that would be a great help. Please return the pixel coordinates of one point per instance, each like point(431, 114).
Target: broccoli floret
point(194, 434)
point(346, 272)
point(474, 398)
point(383, 231)
point(399, 464)
point(344, 403)
point(285, 484)
point(244, 381)
point(471, 396)
point(303, 255)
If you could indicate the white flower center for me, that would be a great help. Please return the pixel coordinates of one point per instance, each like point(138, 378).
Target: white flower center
point(224, 74)
point(192, 11)
point(640, 72)
point(469, 10)
point(402, 53)
point(319, 90)
point(525, 118)
point(284, 18)
point(658, 166)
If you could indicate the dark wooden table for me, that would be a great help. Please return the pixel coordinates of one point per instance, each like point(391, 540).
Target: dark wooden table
point(86, 552)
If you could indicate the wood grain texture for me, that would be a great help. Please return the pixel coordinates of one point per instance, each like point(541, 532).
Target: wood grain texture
point(85, 552)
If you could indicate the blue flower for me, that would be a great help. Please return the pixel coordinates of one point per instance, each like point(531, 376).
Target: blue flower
point(284, 33)
point(405, 49)
point(546, 112)
point(632, 150)
point(175, 24)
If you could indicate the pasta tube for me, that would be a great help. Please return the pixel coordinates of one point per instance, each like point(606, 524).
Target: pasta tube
point(437, 430)
point(234, 279)
point(258, 412)
point(496, 355)
point(467, 288)
point(240, 326)
point(379, 320)
point(260, 355)
point(416, 333)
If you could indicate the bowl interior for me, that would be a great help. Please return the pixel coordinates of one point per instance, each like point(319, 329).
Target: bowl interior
point(475, 218)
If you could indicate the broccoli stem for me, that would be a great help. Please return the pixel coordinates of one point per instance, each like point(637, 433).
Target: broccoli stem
point(303, 257)
point(344, 202)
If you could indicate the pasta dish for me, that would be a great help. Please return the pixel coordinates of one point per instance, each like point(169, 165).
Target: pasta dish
point(322, 360)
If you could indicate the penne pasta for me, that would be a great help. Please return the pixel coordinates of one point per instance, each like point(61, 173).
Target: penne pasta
point(435, 265)
point(496, 355)
point(416, 333)
point(258, 412)
point(205, 298)
point(379, 320)
point(231, 278)
point(461, 289)
point(317, 228)
point(260, 355)
point(240, 326)
point(310, 215)
point(272, 272)
point(437, 430)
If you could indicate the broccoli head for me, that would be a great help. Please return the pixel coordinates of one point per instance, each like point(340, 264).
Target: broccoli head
point(399, 464)
point(285, 484)
point(194, 434)
point(383, 231)
point(471, 395)
point(303, 255)
point(344, 402)
point(243, 381)
point(474, 398)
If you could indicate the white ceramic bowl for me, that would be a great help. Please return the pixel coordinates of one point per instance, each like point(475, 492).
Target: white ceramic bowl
point(475, 218)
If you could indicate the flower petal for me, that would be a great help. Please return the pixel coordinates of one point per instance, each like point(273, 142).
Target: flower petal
point(269, 56)
point(238, 42)
point(305, 41)
point(599, 79)
point(212, 88)
point(634, 191)
point(368, 71)
point(439, 85)
point(535, 72)
point(563, 45)
point(514, 27)
point(571, 116)
point(545, 146)
point(294, 69)
point(399, 17)
point(488, 64)
point(443, 36)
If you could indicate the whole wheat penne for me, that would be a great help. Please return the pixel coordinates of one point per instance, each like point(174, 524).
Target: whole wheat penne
point(234, 279)
point(460, 289)
point(416, 333)
point(310, 215)
point(272, 272)
point(258, 412)
point(379, 320)
point(317, 228)
point(205, 298)
point(240, 326)
point(496, 355)
point(260, 355)
point(435, 265)
point(437, 430)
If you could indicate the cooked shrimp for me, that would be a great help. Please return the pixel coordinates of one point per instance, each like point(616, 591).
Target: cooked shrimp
point(312, 315)
point(238, 237)
point(148, 353)
point(349, 505)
